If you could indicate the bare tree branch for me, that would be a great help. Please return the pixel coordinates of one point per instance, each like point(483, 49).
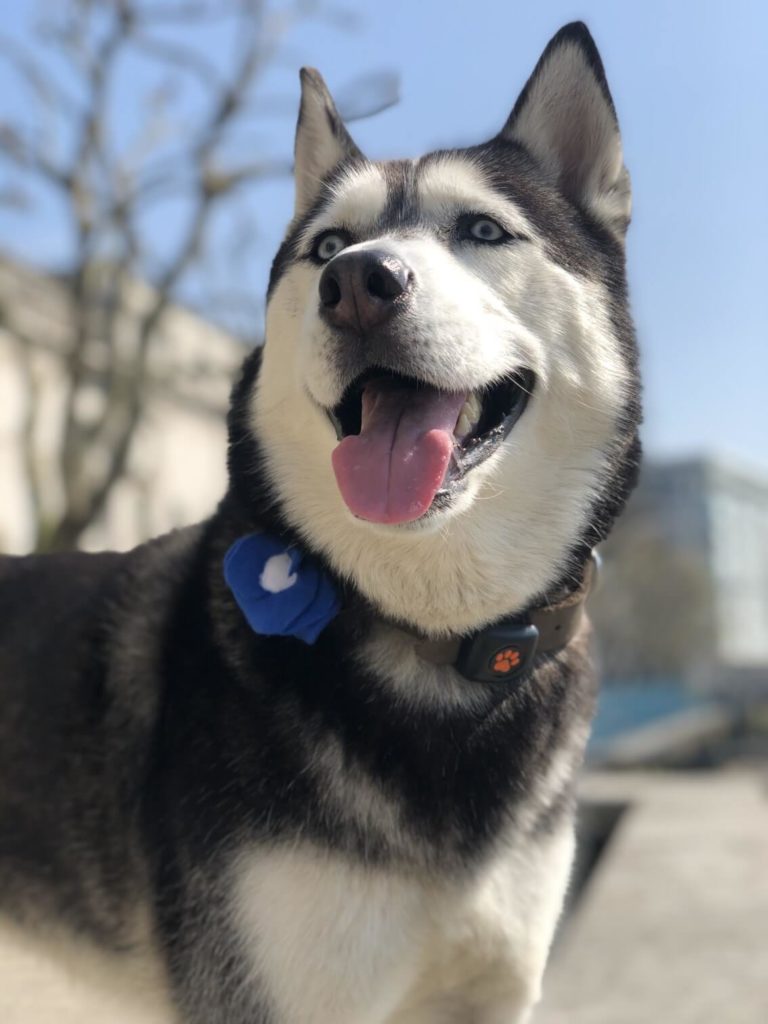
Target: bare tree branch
point(121, 279)
point(20, 152)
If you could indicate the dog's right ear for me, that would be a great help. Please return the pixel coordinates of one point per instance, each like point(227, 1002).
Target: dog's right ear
point(322, 141)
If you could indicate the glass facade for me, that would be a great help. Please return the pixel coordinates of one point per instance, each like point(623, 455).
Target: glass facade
point(718, 513)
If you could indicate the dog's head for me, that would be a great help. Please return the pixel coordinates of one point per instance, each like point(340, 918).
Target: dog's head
point(447, 403)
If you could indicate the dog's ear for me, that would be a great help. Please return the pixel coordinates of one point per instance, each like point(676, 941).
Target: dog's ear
point(322, 141)
point(566, 119)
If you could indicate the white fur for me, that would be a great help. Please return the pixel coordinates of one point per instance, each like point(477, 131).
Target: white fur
point(47, 973)
point(358, 199)
point(392, 655)
point(449, 183)
point(567, 123)
point(334, 942)
point(479, 312)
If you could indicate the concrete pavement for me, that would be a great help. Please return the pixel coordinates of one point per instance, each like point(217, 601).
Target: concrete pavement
point(673, 925)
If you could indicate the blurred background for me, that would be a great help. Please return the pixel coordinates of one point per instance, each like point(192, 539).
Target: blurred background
point(145, 161)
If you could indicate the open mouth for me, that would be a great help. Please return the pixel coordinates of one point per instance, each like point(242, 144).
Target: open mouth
point(406, 446)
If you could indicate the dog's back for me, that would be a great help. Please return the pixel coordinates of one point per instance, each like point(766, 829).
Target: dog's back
point(79, 637)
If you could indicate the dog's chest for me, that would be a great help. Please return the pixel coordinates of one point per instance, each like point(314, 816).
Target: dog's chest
point(332, 941)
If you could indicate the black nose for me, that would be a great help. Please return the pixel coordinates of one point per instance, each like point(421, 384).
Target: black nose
point(360, 290)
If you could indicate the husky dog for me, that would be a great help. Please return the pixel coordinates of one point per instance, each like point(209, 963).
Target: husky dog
point(363, 829)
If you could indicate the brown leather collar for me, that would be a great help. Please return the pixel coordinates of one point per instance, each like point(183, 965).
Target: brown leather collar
point(504, 652)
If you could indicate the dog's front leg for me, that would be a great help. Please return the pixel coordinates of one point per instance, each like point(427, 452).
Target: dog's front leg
point(514, 1006)
point(295, 936)
point(332, 942)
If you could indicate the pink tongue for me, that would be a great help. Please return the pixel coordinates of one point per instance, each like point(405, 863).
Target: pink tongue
point(391, 471)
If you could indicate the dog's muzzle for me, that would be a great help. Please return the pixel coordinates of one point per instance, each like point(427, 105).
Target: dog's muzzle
point(406, 444)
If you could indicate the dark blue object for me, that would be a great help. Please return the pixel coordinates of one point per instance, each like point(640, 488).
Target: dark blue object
point(280, 591)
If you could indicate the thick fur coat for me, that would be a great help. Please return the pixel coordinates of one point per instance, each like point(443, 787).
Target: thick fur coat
point(344, 832)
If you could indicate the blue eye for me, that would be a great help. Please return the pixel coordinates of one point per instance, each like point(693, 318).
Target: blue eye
point(329, 245)
point(483, 229)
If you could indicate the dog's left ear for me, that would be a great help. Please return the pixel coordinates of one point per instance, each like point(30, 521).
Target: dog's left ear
point(322, 141)
point(566, 119)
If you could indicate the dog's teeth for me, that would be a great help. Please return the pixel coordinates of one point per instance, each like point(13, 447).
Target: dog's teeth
point(463, 426)
point(469, 416)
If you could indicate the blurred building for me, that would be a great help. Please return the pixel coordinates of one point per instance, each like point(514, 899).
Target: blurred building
point(176, 469)
point(718, 513)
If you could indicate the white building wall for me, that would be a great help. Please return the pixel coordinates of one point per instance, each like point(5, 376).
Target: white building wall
point(177, 475)
point(177, 463)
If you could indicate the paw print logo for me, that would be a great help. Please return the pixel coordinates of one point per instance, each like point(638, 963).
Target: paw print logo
point(505, 661)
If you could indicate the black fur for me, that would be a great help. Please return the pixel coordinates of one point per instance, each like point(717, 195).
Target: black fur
point(121, 797)
point(147, 735)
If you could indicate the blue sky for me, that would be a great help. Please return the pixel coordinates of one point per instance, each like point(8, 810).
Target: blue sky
point(690, 81)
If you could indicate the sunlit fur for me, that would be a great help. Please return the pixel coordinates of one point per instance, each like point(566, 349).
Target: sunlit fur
point(346, 944)
point(377, 947)
point(480, 312)
point(346, 832)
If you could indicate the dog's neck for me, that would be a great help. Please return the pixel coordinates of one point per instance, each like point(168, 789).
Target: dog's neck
point(502, 650)
point(505, 651)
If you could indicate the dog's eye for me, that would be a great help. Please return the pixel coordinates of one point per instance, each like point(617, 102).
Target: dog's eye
point(329, 245)
point(483, 229)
